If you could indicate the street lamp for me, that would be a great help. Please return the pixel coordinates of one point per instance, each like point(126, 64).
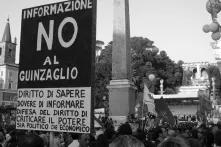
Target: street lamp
point(213, 7)
point(106, 105)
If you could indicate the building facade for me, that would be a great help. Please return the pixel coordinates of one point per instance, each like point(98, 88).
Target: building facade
point(8, 71)
point(187, 102)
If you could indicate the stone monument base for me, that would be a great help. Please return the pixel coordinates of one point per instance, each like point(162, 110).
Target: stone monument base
point(121, 100)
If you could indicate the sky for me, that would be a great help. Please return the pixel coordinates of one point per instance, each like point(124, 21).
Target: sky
point(174, 25)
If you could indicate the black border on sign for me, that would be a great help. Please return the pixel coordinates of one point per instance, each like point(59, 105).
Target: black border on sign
point(94, 21)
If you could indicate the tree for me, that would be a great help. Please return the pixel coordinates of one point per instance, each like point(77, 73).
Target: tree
point(204, 104)
point(102, 75)
point(145, 60)
point(213, 71)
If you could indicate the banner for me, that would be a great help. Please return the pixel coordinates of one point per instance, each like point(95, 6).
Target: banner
point(148, 100)
point(164, 112)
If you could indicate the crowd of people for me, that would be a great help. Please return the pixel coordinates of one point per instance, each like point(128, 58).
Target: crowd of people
point(181, 135)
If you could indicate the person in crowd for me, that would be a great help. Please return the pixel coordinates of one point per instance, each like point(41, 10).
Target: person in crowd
point(184, 133)
point(84, 140)
point(30, 141)
point(62, 139)
point(45, 138)
point(92, 139)
point(171, 132)
point(105, 137)
point(110, 133)
point(71, 139)
point(173, 142)
point(217, 138)
point(2, 139)
point(214, 128)
point(218, 124)
point(124, 129)
point(140, 135)
point(11, 139)
point(193, 139)
point(56, 140)
point(209, 138)
point(159, 135)
point(102, 141)
point(126, 141)
point(202, 136)
point(78, 140)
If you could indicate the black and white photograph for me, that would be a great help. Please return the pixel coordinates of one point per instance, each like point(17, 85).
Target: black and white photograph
point(110, 73)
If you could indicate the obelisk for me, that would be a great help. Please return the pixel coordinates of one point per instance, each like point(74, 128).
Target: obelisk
point(121, 90)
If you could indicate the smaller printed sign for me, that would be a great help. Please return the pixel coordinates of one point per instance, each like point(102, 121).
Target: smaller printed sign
point(54, 109)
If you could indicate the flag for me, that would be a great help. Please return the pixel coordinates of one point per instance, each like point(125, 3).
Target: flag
point(147, 97)
point(146, 94)
point(164, 112)
point(148, 100)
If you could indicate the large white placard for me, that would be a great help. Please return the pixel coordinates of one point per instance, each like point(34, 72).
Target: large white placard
point(54, 109)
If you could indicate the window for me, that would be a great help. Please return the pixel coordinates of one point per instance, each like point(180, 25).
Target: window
point(10, 52)
point(0, 51)
point(10, 85)
point(10, 74)
point(6, 98)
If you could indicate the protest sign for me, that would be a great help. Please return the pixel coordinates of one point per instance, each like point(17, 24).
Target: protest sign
point(56, 67)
